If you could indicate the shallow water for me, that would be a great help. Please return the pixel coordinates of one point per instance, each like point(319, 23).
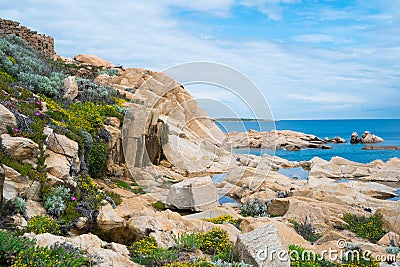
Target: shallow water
point(295, 173)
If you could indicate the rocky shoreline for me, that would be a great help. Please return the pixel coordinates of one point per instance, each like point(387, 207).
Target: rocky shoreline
point(146, 175)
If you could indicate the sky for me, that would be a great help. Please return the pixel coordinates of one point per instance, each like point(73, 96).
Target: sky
point(311, 59)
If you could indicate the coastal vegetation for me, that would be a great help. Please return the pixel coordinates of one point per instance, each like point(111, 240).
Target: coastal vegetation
point(370, 228)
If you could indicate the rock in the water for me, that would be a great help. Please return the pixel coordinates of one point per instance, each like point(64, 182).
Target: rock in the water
point(336, 140)
point(262, 247)
point(381, 148)
point(354, 138)
point(70, 88)
point(368, 138)
point(196, 194)
point(20, 148)
point(7, 118)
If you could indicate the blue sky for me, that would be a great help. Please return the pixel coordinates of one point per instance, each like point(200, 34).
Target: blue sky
point(311, 59)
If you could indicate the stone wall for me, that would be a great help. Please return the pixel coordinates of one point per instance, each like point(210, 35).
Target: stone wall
point(40, 42)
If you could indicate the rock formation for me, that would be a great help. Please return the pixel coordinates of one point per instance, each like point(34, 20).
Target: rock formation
point(42, 43)
point(275, 139)
point(366, 138)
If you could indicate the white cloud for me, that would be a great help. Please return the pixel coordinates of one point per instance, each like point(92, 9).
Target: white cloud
point(273, 9)
point(313, 38)
point(290, 74)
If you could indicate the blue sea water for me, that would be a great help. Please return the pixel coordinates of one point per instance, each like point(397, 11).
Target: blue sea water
point(388, 129)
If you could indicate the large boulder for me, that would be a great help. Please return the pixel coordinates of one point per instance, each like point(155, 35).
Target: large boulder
point(70, 88)
point(57, 164)
point(93, 60)
point(7, 118)
point(278, 207)
point(354, 138)
point(20, 148)
point(262, 247)
point(34, 208)
point(17, 185)
point(62, 145)
point(108, 254)
point(197, 194)
point(108, 218)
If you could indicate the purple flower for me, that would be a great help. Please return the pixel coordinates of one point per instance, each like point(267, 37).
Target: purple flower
point(37, 114)
point(55, 110)
point(38, 103)
point(16, 130)
point(73, 198)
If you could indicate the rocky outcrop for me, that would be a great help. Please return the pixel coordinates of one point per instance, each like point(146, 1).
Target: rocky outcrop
point(61, 144)
point(275, 139)
point(57, 165)
point(196, 194)
point(40, 42)
point(21, 148)
point(17, 185)
point(106, 254)
point(70, 88)
point(366, 138)
point(7, 118)
point(93, 60)
point(256, 248)
point(338, 168)
point(34, 208)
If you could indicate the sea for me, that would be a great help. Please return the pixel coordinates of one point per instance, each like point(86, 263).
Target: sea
point(388, 129)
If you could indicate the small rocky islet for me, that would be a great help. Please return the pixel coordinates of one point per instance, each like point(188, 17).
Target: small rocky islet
point(111, 166)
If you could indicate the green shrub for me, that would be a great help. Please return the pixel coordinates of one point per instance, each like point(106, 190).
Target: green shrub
point(366, 227)
point(300, 257)
point(147, 252)
point(255, 208)
point(42, 224)
point(88, 192)
point(160, 206)
point(70, 213)
point(115, 197)
point(20, 205)
point(135, 190)
point(223, 219)
point(214, 241)
point(54, 257)
point(187, 242)
point(55, 202)
point(306, 230)
point(11, 245)
point(35, 72)
point(97, 158)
